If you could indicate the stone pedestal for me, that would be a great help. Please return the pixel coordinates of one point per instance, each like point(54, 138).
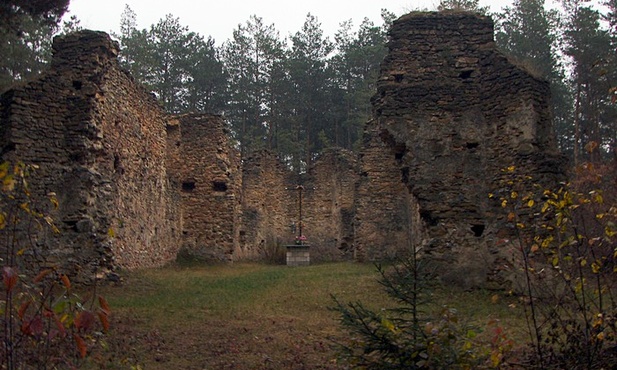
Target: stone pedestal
point(298, 255)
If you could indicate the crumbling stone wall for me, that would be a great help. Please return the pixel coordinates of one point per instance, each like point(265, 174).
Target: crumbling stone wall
point(329, 206)
point(271, 205)
point(100, 142)
point(208, 175)
point(268, 206)
point(385, 211)
point(136, 185)
point(456, 112)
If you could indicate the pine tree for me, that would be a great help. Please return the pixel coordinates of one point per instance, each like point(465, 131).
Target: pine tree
point(356, 63)
point(527, 33)
point(315, 94)
point(26, 33)
point(253, 61)
point(16, 14)
point(181, 67)
point(207, 82)
point(611, 18)
point(589, 48)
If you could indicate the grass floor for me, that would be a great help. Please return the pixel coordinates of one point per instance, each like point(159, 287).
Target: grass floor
point(253, 316)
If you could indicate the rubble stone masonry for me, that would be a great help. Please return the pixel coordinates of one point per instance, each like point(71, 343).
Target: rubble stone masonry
point(330, 204)
point(138, 187)
point(456, 112)
point(268, 205)
point(209, 178)
point(100, 142)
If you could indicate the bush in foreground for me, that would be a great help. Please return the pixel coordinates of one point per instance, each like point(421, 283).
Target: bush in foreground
point(45, 324)
point(567, 247)
point(408, 336)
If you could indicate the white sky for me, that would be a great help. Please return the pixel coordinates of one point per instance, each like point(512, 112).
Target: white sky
point(219, 18)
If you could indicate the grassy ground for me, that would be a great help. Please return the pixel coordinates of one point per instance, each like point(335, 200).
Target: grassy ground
point(251, 316)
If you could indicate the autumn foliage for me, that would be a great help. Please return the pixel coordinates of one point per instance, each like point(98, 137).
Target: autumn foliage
point(45, 324)
point(566, 238)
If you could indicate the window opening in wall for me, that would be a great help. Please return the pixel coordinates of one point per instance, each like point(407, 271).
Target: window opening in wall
point(219, 186)
point(7, 148)
point(71, 224)
point(405, 174)
point(477, 230)
point(77, 85)
point(472, 145)
point(116, 162)
point(188, 185)
point(465, 74)
point(428, 218)
point(398, 78)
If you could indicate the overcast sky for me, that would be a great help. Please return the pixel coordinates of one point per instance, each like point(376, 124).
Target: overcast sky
point(219, 18)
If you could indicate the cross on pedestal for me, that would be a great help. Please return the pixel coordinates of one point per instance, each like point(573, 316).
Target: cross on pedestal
point(298, 254)
point(300, 189)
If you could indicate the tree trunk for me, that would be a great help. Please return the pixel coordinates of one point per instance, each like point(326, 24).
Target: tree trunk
point(577, 128)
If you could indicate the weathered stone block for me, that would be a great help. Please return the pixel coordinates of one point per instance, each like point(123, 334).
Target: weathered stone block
point(298, 255)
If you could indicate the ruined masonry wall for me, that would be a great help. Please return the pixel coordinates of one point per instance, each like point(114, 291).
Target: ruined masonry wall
point(456, 112)
point(329, 206)
point(271, 206)
point(144, 210)
point(210, 182)
point(137, 186)
point(384, 213)
point(268, 206)
point(100, 141)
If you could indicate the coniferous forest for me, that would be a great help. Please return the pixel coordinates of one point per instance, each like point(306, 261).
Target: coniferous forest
point(296, 96)
point(300, 94)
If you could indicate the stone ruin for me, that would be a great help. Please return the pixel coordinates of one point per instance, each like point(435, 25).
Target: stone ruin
point(100, 141)
point(454, 113)
point(138, 187)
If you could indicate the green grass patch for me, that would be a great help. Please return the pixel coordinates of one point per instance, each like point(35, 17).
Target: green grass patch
point(227, 291)
point(214, 316)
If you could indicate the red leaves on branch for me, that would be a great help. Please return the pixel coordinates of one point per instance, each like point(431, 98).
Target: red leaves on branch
point(66, 282)
point(104, 305)
point(33, 327)
point(22, 309)
point(60, 326)
point(104, 321)
point(81, 345)
point(9, 277)
point(84, 321)
point(103, 313)
point(42, 275)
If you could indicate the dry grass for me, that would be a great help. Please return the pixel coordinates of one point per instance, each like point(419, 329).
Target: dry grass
point(250, 316)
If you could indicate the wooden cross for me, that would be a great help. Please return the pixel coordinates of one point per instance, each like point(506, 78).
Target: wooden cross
point(300, 189)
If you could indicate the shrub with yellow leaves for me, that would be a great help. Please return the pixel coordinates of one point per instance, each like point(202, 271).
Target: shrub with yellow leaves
point(567, 243)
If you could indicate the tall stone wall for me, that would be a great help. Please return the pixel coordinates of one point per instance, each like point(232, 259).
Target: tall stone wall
point(208, 175)
point(329, 205)
point(383, 217)
point(268, 205)
point(99, 140)
point(456, 112)
point(136, 186)
point(271, 205)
